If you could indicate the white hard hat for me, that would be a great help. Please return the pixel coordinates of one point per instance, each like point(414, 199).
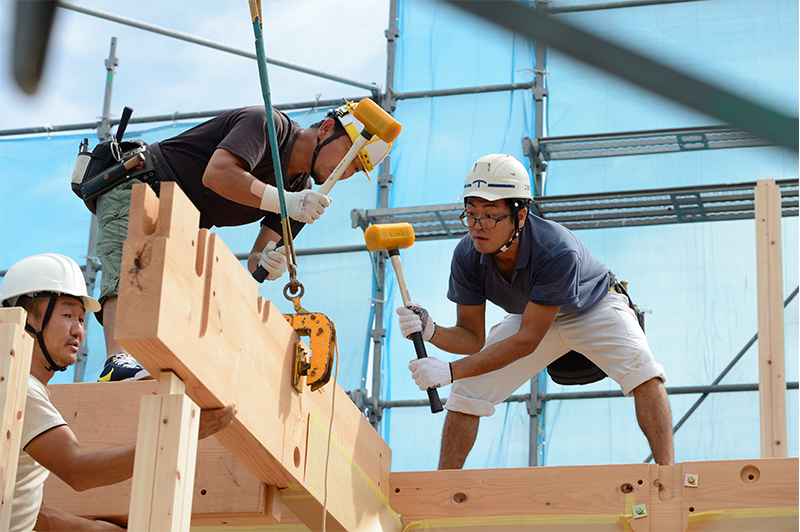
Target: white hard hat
point(45, 273)
point(497, 176)
point(375, 150)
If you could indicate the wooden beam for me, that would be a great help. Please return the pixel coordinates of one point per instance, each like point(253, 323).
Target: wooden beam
point(163, 472)
point(16, 348)
point(186, 304)
point(725, 495)
point(771, 363)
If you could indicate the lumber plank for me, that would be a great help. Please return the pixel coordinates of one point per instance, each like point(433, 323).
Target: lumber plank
point(539, 498)
point(186, 304)
point(771, 362)
point(745, 495)
point(545, 498)
point(16, 348)
point(163, 474)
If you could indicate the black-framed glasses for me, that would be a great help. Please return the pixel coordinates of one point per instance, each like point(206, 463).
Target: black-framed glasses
point(487, 223)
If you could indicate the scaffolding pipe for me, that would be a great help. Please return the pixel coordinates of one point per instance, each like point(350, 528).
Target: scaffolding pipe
point(463, 90)
point(602, 394)
point(174, 117)
point(555, 10)
point(378, 333)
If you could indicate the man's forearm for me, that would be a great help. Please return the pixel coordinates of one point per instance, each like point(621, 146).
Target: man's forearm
point(494, 357)
point(103, 467)
point(51, 518)
point(457, 340)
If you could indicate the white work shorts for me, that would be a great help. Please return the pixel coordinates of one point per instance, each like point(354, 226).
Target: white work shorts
point(608, 334)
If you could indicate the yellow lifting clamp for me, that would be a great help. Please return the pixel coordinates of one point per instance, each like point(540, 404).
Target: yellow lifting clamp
point(322, 340)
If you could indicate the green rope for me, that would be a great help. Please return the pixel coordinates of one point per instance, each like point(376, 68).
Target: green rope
point(273, 140)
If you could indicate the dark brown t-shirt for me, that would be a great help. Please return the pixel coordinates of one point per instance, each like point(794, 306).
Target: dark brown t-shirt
point(242, 132)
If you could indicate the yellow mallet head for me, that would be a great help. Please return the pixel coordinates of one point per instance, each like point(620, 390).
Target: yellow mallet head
point(389, 237)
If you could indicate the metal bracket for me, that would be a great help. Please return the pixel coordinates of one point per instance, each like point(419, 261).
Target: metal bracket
point(300, 367)
point(322, 341)
point(536, 161)
point(359, 397)
point(689, 207)
point(639, 510)
point(358, 218)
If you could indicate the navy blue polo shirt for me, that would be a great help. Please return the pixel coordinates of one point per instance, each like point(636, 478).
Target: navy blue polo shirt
point(554, 268)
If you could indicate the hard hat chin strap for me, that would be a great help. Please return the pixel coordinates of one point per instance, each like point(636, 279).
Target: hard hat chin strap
point(338, 132)
point(40, 337)
point(517, 228)
point(507, 245)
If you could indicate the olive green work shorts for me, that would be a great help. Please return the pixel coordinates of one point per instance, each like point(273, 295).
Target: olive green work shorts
point(113, 209)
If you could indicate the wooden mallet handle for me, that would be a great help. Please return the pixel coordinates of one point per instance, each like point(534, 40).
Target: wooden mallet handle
point(391, 238)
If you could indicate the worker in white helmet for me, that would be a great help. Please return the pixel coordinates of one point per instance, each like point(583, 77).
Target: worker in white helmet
point(225, 167)
point(52, 290)
point(560, 298)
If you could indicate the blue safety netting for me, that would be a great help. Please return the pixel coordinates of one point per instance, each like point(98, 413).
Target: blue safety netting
point(699, 280)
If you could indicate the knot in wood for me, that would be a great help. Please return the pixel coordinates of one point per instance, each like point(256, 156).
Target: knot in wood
point(460, 497)
point(626, 488)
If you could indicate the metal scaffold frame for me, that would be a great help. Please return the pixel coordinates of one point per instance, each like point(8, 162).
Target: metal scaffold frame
point(433, 222)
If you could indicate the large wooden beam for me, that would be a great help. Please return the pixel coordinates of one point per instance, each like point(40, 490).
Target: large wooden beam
point(736, 495)
point(16, 348)
point(771, 362)
point(187, 305)
point(730, 495)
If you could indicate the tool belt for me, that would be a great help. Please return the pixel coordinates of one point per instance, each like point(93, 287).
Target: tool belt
point(574, 368)
point(114, 162)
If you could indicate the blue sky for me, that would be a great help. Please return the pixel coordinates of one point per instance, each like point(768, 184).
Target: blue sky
point(161, 75)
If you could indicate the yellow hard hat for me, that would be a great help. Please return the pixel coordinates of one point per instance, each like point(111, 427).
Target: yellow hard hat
point(375, 150)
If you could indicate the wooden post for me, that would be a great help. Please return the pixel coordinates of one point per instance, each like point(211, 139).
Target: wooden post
point(771, 364)
point(16, 347)
point(163, 471)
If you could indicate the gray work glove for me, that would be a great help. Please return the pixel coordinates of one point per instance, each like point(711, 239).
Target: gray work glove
point(273, 260)
point(413, 318)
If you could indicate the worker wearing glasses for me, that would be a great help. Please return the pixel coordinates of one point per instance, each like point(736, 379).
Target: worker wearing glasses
point(559, 297)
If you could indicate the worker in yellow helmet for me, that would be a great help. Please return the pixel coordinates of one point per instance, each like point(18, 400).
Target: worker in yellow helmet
point(225, 167)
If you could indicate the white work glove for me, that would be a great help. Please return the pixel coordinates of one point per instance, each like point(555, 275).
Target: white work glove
point(413, 318)
point(304, 206)
point(430, 372)
point(273, 260)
